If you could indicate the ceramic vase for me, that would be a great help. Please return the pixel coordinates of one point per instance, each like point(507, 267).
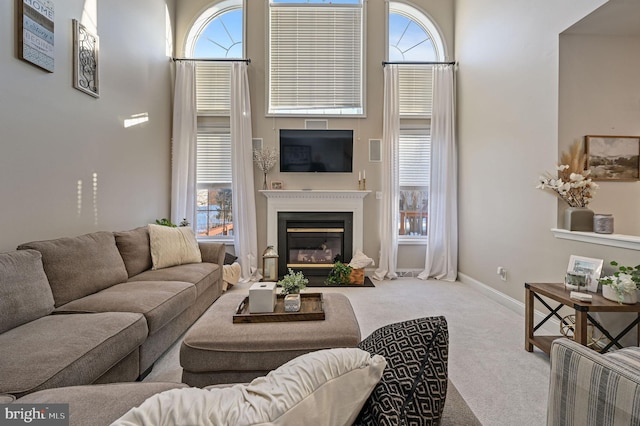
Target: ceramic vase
point(578, 219)
point(628, 298)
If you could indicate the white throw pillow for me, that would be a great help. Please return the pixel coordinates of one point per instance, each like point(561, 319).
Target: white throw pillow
point(326, 387)
point(173, 246)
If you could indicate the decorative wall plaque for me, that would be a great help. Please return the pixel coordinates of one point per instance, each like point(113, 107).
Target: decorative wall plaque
point(85, 60)
point(35, 32)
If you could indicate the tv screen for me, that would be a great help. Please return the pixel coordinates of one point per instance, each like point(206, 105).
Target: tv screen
point(306, 150)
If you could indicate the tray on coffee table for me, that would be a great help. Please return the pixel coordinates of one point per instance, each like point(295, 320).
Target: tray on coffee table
point(311, 309)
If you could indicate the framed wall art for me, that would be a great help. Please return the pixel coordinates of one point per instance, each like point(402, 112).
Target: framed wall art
point(34, 32)
point(613, 157)
point(85, 60)
point(589, 266)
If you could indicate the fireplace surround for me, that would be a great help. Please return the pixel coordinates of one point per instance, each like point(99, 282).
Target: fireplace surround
point(315, 201)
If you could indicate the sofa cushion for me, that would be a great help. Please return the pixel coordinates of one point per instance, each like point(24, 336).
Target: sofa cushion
point(322, 388)
point(158, 301)
point(25, 294)
point(98, 404)
point(413, 388)
point(173, 246)
point(78, 266)
point(135, 249)
point(66, 350)
point(202, 275)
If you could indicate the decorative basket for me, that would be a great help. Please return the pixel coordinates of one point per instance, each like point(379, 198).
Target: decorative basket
point(356, 276)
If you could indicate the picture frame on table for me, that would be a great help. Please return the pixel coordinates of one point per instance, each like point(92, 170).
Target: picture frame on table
point(589, 266)
point(277, 184)
point(613, 158)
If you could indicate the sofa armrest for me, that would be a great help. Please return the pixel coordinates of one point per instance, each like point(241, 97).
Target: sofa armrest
point(212, 252)
point(587, 387)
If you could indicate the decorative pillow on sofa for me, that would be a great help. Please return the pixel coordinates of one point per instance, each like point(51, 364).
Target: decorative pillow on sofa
point(322, 388)
point(413, 388)
point(173, 246)
point(25, 294)
point(229, 258)
point(134, 247)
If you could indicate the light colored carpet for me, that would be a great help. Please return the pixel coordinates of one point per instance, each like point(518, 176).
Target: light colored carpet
point(501, 382)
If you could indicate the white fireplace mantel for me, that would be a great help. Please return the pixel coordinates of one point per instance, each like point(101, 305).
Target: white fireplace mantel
point(315, 201)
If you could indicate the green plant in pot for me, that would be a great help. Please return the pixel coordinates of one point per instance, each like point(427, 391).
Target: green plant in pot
point(293, 282)
point(624, 282)
point(339, 274)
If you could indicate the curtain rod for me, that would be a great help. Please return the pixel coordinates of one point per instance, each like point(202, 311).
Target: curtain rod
point(248, 61)
point(385, 63)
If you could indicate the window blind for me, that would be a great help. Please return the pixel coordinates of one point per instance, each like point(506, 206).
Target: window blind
point(213, 157)
point(414, 158)
point(213, 88)
point(315, 58)
point(416, 90)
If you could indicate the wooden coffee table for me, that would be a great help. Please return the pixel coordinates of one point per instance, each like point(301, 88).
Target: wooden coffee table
point(557, 292)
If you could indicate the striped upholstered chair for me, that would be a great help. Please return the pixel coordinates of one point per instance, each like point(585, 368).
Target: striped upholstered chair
point(590, 389)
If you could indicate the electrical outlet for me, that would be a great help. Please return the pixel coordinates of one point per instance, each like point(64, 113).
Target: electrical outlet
point(378, 195)
point(502, 272)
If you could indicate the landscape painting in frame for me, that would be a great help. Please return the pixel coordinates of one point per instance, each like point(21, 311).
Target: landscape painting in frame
point(613, 157)
point(34, 28)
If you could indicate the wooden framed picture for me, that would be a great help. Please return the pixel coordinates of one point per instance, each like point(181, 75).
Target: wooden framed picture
point(589, 266)
point(85, 60)
point(613, 157)
point(34, 32)
point(277, 184)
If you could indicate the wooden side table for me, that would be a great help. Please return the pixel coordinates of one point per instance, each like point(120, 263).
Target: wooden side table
point(557, 292)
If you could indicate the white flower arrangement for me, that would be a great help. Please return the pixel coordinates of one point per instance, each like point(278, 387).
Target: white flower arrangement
point(265, 158)
point(573, 184)
point(624, 281)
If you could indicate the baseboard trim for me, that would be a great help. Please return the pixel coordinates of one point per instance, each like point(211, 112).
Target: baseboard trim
point(552, 326)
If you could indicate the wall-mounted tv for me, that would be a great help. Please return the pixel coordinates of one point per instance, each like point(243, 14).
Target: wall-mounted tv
point(312, 150)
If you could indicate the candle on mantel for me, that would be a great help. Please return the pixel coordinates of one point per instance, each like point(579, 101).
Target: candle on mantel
point(364, 174)
point(359, 176)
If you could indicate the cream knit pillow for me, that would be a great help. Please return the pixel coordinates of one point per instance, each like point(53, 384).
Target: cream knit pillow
point(173, 246)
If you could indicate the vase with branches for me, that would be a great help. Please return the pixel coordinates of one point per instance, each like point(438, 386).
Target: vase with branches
point(265, 159)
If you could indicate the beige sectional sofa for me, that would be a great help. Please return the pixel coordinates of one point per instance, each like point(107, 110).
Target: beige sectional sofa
point(90, 309)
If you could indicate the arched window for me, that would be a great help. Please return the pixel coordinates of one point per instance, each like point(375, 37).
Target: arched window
point(216, 33)
point(413, 37)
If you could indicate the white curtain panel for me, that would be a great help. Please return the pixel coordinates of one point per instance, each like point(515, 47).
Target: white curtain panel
point(244, 203)
point(442, 249)
point(183, 147)
point(389, 214)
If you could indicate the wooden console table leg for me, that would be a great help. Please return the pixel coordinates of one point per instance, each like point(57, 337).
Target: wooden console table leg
point(528, 318)
point(580, 333)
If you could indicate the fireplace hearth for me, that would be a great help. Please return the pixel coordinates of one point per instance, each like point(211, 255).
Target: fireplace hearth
point(312, 241)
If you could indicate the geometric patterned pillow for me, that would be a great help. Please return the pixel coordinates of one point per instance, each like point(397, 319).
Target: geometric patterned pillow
point(413, 387)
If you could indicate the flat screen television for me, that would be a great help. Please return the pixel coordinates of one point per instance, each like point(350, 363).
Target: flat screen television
point(312, 150)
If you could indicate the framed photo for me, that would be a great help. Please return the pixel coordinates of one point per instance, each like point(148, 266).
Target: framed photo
point(277, 184)
point(34, 33)
point(587, 265)
point(613, 157)
point(85, 60)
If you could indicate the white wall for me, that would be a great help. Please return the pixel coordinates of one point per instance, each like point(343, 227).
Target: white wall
point(600, 95)
point(508, 135)
point(52, 136)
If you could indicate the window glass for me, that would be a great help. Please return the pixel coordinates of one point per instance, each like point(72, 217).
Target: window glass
point(413, 37)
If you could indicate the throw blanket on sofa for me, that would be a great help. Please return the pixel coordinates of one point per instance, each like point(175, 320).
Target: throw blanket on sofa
point(230, 275)
point(327, 387)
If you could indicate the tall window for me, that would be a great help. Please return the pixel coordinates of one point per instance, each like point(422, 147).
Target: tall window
point(315, 57)
point(413, 37)
point(217, 33)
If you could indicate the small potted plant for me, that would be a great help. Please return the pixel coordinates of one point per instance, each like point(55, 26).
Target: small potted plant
point(293, 282)
point(340, 274)
point(622, 286)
